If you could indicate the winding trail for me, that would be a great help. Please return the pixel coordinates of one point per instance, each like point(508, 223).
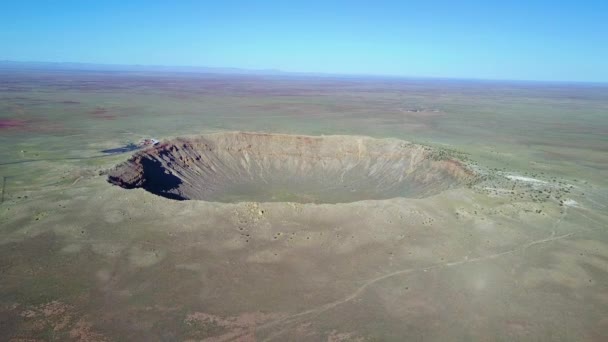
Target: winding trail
point(373, 281)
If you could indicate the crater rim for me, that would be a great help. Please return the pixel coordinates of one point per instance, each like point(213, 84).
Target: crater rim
point(234, 167)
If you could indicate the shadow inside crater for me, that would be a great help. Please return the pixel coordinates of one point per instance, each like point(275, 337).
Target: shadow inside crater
point(160, 181)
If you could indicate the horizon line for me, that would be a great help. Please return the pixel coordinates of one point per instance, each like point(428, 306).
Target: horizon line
point(228, 70)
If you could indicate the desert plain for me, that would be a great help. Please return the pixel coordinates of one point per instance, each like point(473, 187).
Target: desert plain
point(320, 208)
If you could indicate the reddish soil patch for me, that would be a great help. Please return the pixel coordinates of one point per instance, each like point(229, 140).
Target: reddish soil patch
point(12, 123)
point(102, 113)
point(30, 125)
point(213, 328)
point(55, 320)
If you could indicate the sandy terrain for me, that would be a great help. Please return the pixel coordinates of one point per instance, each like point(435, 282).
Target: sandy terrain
point(521, 253)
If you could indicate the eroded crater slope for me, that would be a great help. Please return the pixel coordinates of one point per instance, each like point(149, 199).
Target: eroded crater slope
point(236, 167)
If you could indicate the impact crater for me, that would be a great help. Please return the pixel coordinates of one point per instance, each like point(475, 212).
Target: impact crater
point(257, 167)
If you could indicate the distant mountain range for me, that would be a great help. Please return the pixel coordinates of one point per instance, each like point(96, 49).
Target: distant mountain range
point(140, 68)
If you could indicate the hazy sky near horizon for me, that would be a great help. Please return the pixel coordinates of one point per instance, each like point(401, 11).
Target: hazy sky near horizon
point(528, 40)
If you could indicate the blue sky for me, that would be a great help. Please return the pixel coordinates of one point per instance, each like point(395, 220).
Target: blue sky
point(529, 40)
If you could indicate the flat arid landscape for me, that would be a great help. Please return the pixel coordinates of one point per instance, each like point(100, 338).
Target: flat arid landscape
point(183, 206)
